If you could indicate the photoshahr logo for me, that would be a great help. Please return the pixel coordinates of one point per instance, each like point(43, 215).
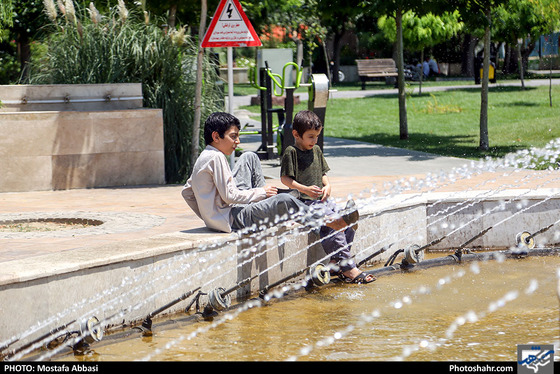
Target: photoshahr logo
point(535, 359)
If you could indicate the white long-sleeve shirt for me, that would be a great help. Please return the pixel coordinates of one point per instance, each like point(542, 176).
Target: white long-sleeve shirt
point(211, 190)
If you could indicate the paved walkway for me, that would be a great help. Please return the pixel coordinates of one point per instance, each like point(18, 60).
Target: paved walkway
point(132, 213)
point(144, 211)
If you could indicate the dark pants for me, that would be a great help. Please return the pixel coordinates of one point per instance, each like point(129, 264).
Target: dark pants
point(337, 243)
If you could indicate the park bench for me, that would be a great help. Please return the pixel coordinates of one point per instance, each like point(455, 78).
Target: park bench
point(376, 68)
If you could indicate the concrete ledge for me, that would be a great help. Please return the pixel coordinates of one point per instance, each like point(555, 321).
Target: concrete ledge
point(70, 97)
point(122, 283)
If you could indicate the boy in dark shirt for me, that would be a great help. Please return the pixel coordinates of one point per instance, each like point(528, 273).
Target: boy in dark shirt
point(304, 168)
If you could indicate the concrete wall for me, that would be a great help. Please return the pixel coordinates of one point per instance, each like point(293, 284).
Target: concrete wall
point(78, 144)
point(506, 215)
point(63, 150)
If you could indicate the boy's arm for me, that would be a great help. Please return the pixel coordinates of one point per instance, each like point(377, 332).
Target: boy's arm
point(225, 184)
point(326, 191)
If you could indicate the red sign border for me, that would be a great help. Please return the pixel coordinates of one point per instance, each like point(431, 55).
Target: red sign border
point(206, 43)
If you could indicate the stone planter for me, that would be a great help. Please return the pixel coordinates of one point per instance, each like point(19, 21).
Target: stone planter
point(78, 136)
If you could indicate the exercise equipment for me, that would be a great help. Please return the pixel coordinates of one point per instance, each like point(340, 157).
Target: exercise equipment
point(270, 84)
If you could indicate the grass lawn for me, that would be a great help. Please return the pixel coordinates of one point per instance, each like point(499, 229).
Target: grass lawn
point(447, 123)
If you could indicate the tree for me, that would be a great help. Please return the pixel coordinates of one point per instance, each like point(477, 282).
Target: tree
point(422, 32)
point(338, 16)
point(475, 13)
point(396, 9)
point(520, 23)
point(22, 21)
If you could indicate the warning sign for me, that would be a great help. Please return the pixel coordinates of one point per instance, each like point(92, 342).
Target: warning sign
point(230, 27)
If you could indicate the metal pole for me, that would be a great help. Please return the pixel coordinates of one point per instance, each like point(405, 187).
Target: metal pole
point(230, 93)
point(268, 127)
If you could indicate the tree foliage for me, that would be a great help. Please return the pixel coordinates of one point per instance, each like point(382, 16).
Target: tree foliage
point(420, 32)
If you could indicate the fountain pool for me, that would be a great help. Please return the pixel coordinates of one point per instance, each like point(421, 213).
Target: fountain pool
point(475, 311)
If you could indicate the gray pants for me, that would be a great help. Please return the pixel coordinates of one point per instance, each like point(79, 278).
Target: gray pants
point(248, 174)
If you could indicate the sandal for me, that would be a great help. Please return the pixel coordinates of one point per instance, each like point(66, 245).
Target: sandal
point(361, 278)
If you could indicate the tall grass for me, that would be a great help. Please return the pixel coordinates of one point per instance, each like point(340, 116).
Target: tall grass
point(125, 47)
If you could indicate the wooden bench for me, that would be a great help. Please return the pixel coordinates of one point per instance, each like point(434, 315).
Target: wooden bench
point(377, 68)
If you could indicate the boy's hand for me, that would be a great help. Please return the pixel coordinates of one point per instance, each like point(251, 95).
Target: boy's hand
point(313, 191)
point(270, 191)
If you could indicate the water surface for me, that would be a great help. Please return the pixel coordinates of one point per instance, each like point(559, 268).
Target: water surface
point(475, 311)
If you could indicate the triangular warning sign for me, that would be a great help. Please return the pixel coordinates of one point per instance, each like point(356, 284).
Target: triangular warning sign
point(230, 27)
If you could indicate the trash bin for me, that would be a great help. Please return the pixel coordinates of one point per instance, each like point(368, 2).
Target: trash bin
point(491, 73)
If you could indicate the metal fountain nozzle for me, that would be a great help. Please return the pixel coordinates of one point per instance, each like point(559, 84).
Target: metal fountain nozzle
point(525, 239)
point(218, 299)
point(91, 330)
point(413, 254)
point(320, 275)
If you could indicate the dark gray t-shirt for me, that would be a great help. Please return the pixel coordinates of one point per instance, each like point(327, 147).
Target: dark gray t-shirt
point(305, 167)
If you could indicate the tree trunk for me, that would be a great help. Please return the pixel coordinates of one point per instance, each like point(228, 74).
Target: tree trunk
point(403, 125)
point(510, 61)
point(195, 145)
point(520, 63)
point(550, 83)
point(337, 46)
point(526, 52)
point(24, 55)
point(483, 146)
point(327, 62)
point(299, 50)
point(467, 66)
point(421, 72)
point(172, 17)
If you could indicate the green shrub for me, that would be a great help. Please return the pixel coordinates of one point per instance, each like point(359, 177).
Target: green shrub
point(125, 47)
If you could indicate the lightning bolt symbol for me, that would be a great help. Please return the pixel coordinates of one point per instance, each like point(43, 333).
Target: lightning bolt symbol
point(229, 10)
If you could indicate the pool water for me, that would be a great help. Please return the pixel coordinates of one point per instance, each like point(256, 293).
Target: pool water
point(474, 311)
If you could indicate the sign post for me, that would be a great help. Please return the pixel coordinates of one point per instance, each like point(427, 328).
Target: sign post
point(230, 28)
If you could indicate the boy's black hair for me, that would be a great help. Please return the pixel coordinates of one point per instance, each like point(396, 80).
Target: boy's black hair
point(306, 120)
point(219, 122)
